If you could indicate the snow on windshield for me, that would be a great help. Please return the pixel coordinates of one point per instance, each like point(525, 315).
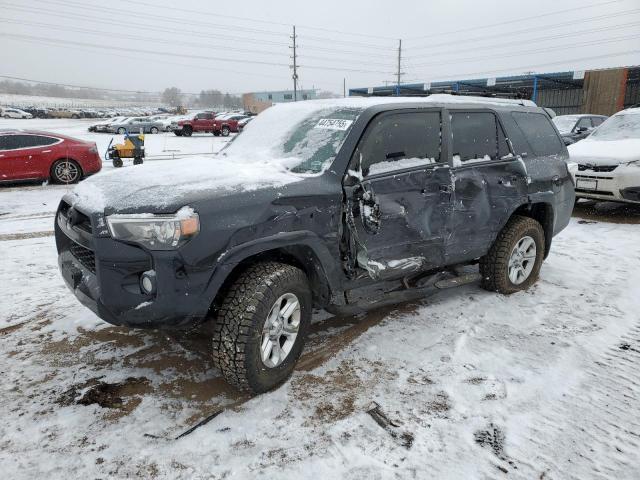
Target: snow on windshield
point(304, 137)
point(565, 123)
point(622, 126)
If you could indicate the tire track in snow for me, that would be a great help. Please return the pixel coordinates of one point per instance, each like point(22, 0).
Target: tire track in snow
point(594, 432)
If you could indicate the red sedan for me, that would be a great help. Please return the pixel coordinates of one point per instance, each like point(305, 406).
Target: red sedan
point(33, 155)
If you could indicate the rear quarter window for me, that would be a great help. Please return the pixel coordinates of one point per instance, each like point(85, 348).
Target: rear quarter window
point(539, 133)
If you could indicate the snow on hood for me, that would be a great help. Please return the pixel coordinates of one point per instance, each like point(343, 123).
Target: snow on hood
point(165, 184)
point(605, 152)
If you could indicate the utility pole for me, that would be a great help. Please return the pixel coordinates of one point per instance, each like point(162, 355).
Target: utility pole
point(344, 87)
point(295, 67)
point(399, 67)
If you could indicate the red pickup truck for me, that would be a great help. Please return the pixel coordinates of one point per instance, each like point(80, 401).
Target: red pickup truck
point(205, 122)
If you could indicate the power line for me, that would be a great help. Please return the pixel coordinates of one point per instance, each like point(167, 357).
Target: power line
point(523, 52)
point(268, 22)
point(525, 41)
point(532, 29)
point(139, 50)
point(181, 43)
point(148, 16)
point(511, 22)
point(121, 24)
point(135, 37)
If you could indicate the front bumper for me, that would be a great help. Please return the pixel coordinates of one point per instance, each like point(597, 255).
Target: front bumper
point(104, 274)
point(621, 184)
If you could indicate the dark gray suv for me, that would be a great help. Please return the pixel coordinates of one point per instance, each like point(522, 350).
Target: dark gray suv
point(343, 205)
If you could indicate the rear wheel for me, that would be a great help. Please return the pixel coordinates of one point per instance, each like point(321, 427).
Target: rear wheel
point(154, 130)
point(137, 161)
point(187, 131)
point(261, 326)
point(225, 131)
point(514, 260)
point(117, 162)
point(122, 131)
point(66, 171)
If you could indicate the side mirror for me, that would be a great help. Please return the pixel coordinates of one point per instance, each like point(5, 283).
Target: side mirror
point(581, 129)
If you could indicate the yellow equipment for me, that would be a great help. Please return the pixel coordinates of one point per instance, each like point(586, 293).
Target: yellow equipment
point(133, 147)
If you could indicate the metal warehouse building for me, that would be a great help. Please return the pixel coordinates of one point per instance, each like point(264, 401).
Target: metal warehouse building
point(602, 92)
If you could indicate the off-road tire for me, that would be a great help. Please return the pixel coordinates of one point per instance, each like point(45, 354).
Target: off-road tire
point(494, 266)
point(241, 317)
point(187, 131)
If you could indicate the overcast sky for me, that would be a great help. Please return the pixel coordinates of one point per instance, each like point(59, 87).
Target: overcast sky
point(242, 46)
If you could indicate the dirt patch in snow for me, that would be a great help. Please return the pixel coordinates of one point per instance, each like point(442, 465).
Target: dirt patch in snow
point(610, 212)
point(107, 395)
point(24, 236)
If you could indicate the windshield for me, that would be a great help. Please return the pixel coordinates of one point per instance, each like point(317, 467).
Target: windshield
point(619, 127)
point(304, 137)
point(565, 123)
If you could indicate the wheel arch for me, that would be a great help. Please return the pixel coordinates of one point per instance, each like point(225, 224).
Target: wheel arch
point(306, 254)
point(543, 213)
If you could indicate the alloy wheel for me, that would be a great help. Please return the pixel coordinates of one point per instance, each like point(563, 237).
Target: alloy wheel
point(280, 330)
point(522, 260)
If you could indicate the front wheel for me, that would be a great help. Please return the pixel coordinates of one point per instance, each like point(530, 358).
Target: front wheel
point(154, 130)
point(261, 326)
point(514, 260)
point(122, 131)
point(187, 131)
point(225, 131)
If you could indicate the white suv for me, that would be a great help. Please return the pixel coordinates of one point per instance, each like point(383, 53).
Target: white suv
point(606, 164)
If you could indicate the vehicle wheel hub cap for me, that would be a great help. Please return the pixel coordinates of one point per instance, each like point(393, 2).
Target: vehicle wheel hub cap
point(280, 330)
point(522, 260)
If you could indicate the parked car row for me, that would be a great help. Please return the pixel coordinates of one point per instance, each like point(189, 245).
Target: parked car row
point(41, 112)
point(576, 127)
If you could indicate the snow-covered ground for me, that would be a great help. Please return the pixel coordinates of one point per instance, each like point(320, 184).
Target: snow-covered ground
point(465, 384)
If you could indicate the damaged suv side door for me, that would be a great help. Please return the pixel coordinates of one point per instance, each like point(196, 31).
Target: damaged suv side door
point(397, 195)
point(490, 182)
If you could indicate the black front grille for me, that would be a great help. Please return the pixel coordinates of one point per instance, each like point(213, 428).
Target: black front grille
point(597, 168)
point(78, 219)
point(85, 256)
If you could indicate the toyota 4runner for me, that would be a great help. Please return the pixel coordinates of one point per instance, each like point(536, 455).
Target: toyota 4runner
point(342, 205)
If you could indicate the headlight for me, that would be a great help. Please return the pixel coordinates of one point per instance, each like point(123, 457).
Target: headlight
point(155, 232)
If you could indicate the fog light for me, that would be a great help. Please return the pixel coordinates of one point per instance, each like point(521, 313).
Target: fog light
point(148, 281)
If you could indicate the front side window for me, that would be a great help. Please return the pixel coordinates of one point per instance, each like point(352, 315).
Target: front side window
point(399, 140)
point(539, 132)
point(584, 122)
point(13, 142)
point(477, 136)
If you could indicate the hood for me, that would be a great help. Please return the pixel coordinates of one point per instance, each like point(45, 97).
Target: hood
point(164, 186)
point(605, 152)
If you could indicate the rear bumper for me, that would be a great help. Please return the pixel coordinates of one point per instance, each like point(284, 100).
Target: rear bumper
point(104, 275)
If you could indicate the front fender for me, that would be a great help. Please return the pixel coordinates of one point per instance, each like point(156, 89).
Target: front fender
point(324, 264)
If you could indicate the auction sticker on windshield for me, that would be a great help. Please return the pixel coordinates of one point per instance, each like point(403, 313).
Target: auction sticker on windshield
point(334, 124)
